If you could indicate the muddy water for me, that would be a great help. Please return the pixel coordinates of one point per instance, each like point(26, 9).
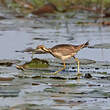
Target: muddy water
point(31, 90)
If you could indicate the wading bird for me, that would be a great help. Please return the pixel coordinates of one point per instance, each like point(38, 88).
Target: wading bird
point(63, 52)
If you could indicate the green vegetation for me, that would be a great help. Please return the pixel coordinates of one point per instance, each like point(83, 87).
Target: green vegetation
point(34, 64)
point(60, 4)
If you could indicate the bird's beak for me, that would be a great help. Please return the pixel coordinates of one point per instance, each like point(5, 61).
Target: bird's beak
point(37, 51)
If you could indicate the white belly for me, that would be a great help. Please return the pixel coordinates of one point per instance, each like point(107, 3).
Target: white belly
point(66, 57)
point(60, 56)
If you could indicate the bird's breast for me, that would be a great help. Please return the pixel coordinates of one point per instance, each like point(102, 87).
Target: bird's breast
point(66, 57)
point(61, 56)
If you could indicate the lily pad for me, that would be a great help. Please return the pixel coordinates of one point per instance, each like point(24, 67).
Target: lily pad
point(25, 50)
point(2, 18)
point(68, 62)
point(31, 50)
point(6, 78)
point(87, 61)
point(104, 45)
point(40, 39)
point(9, 93)
point(34, 64)
point(6, 62)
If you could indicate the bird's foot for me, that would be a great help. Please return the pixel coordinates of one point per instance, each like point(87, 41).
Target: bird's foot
point(79, 75)
point(20, 67)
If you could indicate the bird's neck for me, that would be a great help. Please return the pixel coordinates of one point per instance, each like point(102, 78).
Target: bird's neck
point(46, 49)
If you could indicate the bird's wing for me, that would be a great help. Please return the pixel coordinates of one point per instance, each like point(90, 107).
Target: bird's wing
point(64, 50)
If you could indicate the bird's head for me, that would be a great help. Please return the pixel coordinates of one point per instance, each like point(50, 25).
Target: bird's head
point(40, 47)
point(39, 50)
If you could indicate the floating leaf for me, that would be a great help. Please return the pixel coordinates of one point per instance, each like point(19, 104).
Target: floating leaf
point(34, 64)
point(7, 62)
point(104, 45)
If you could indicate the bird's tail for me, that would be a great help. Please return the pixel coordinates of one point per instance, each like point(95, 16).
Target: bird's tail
point(84, 45)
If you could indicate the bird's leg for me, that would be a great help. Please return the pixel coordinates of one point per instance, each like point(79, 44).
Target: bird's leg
point(57, 70)
point(78, 72)
point(61, 68)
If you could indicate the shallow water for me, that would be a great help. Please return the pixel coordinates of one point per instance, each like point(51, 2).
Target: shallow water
point(32, 90)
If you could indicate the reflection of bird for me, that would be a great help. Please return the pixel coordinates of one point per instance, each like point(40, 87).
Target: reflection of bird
point(63, 52)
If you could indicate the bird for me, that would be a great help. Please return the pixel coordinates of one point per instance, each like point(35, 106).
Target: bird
point(63, 52)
